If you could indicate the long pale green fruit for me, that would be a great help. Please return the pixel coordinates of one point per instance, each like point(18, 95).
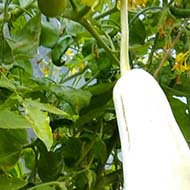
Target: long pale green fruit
point(155, 153)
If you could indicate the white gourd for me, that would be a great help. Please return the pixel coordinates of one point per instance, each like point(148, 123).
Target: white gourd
point(155, 153)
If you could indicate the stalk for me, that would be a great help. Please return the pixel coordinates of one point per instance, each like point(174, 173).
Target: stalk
point(124, 51)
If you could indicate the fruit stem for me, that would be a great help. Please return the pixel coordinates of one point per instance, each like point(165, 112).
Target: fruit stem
point(124, 51)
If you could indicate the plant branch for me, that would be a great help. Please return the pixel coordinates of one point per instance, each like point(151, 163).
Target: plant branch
point(16, 12)
point(167, 53)
point(88, 25)
point(108, 12)
point(143, 11)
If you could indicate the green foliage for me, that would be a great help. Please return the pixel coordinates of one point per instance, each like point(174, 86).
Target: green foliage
point(49, 34)
point(11, 183)
point(11, 154)
point(57, 124)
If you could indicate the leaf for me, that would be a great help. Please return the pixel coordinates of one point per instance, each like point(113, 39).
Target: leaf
point(70, 146)
point(50, 165)
point(51, 186)
point(89, 117)
point(48, 108)
point(24, 69)
point(11, 183)
point(181, 115)
point(6, 83)
point(104, 63)
point(6, 54)
point(49, 34)
point(16, 122)
point(10, 153)
point(78, 98)
point(45, 187)
point(29, 158)
point(100, 150)
point(60, 48)
point(25, 42)
point(137, 32)
point(40, 123)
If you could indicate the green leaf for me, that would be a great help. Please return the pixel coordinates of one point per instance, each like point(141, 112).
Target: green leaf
point(48, 108)
point(49, 34)
point(10, 153)
point(45, 187)
point(29, 158)
point(11, 183)
point(16, 122)
point(6, 83)
point(6, 54)
point(40, 123)
point(50, 165)
point(70, 146)
point(77, 98)
point(89, 117)
point(25, 42)
point(100, 150)
point(54, 185)
point(60, 48)
point(23, 69)
point(137, 32)
point(181, 115)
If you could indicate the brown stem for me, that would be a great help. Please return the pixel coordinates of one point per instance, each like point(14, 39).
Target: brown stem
point(167, 52)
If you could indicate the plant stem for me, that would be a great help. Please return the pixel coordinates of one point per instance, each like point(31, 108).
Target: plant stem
point(167, 53)
point(88, 25)
point(143, 11)
point(124, 52)
point(108, 12)
point(17, 11)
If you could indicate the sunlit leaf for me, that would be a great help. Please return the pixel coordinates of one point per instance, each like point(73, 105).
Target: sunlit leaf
point(6, 83)
point(40, 123)
point(16, 122)
point(48, 108)
point(29, 158)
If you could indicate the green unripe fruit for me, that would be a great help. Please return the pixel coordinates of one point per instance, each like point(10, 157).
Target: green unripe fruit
point(52, 8)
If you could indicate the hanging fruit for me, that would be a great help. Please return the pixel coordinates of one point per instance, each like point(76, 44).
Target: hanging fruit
point(52, 8)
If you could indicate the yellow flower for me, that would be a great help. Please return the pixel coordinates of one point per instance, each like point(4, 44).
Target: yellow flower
point(136, 3)
point(45, 71)
point(181, 62)
point(69, 53)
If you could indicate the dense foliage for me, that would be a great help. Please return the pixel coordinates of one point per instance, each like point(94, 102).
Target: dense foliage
point(58, 127)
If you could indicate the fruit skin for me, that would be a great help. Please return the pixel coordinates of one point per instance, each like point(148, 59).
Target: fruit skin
point(52, 8)
point(155, 153)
